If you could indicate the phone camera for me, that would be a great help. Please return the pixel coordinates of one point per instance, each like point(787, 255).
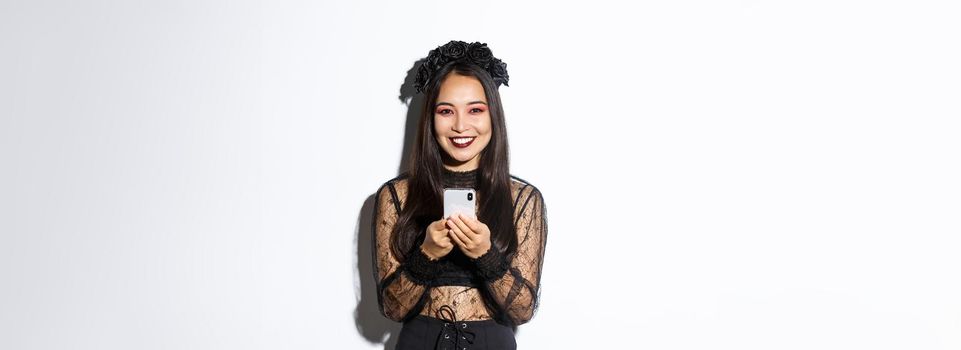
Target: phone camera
point(470, 196)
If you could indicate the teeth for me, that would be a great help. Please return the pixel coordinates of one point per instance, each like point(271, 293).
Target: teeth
point(462, 140)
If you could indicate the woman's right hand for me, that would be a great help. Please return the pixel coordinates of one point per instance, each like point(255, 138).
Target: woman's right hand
point(436, 242)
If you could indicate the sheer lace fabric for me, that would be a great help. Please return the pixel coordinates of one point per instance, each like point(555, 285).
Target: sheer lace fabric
point(505, 288)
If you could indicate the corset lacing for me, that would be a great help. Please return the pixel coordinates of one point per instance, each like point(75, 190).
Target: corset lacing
point(463, 337)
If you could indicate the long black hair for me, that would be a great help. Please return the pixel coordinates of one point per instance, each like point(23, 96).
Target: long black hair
point(425, 187)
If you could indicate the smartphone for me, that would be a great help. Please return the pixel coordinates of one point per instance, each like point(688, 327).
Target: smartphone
point(459, 200)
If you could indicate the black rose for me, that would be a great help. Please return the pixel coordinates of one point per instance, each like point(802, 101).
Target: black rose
point(479, 53)
point(435, 61)
point(498, 71)
point(454, 49)
point(458, 51)
point(432, 58)
point(423, 76)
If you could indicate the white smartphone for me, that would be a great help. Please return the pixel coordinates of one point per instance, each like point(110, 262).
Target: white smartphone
point(459, 200)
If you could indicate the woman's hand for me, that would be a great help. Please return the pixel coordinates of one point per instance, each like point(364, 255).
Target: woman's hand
point(436, 242)
point(471, 236)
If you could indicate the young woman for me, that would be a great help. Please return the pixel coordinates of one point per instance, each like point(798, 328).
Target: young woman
point(458, 282)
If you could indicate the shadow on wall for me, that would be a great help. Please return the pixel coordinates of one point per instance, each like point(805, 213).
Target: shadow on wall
point(371, 324)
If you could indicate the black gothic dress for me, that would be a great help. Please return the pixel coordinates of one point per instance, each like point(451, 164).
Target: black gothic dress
point(458, 302)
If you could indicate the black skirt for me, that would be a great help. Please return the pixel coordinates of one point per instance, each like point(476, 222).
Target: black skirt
point(424, 332)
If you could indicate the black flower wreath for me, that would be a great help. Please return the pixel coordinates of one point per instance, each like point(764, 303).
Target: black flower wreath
point(476, 53)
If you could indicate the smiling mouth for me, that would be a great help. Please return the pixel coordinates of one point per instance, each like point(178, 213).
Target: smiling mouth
point(461, 142)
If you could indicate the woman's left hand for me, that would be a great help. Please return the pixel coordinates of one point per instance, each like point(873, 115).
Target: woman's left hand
point(470, 235)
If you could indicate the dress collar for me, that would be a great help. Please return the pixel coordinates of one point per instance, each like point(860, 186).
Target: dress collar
point(466, 179)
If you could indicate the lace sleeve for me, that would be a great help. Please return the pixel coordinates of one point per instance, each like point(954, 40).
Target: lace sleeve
point(402, 287)
point(514, 285)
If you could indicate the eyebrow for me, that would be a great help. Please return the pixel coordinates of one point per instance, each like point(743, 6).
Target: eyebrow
point(452, 105)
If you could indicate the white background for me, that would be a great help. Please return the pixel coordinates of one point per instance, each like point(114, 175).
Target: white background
point(717, 174)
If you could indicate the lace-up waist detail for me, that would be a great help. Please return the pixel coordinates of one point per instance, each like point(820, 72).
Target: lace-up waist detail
point(456, 335)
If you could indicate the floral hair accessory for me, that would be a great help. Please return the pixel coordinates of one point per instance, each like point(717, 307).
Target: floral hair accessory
point(474, 53)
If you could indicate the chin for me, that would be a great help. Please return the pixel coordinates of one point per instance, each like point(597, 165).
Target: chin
point(462, 158)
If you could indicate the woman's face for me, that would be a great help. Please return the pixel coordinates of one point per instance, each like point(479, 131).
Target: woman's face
point(462, 121)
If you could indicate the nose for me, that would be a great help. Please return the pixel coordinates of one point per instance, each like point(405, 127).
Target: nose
point(459, 125)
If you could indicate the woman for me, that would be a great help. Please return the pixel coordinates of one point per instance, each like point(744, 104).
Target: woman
point(458, 282)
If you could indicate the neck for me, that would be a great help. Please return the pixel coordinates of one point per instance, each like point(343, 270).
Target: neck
point(462, 167)
point(459, 178)
point(456, 165)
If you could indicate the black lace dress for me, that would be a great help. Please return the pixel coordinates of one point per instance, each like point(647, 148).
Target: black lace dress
point(493, 287)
